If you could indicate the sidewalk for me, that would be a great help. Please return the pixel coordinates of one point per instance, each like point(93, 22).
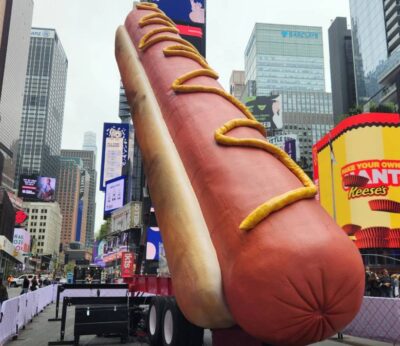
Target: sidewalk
point(40, 331)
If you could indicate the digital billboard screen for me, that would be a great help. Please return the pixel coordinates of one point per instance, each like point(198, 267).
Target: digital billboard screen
point(186, 11)
point(114, 152)
point(28, 187)
point(267, 110)
point(46, 189)
point(190, 17)
point(114, 195)
point(34, 188)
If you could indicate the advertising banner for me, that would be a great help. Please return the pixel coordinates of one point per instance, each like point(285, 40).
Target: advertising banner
point(115, 195)
point(114, 152)
point(289, 143)
point(190, 19)
point(46, 189)
point(153, 243)
point(363, 193)
point(22, 240)
point(27, 187)
point(34, 188)
point(267, 110)
point(186, 11)
point(127, 264)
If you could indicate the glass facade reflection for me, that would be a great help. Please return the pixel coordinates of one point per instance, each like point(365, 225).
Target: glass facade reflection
point(285, 57)
point(369, 45)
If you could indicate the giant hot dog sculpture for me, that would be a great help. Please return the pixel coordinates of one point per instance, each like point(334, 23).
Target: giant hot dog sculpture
point(246, 241)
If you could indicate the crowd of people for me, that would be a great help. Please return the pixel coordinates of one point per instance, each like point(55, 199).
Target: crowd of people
point(381, 284)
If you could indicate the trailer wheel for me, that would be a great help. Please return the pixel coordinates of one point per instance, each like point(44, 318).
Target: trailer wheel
point(154, 315)
point(177, 330)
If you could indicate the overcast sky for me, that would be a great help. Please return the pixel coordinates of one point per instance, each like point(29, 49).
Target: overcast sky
point(87, 27)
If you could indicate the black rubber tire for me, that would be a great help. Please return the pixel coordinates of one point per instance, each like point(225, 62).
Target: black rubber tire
point(154, 332)
point(183, 332)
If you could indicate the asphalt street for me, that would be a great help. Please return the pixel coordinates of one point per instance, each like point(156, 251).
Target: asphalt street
point(40, 331)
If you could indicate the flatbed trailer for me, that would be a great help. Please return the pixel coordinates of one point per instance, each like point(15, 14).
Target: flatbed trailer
point(165, 323)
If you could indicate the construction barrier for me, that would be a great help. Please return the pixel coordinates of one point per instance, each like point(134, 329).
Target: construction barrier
point(16, 312)
point(378, 319)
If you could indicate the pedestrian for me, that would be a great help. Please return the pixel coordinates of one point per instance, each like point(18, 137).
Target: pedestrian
point(386, 285)
point(3, 292)
point(34, 284)
point(368, 281)
point(25, 285)
point(46, 281)
point(395, 281)
point(375, 285)
point(88, 279)
point(9, 280)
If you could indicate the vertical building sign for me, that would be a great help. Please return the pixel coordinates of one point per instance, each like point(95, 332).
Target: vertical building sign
point(127, 264)
point(114, 152)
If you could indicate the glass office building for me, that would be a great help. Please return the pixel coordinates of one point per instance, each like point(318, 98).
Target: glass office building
point(43, 107)
point(369, 46)
point(285, 57)
point(15, 28)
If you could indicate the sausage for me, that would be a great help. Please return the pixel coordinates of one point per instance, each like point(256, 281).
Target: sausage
point(289, 274)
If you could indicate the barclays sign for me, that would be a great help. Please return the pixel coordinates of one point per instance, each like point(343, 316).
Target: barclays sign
point(299, 34)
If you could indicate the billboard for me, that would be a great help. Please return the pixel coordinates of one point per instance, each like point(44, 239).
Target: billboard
point(34, 188)
point(267, 110)
point(114, 197)
point(153, 243)
point(289, 143)
point(22, 240)
point(357, 171)
point(46, 188)
point(186, 11)
point(190, 19)
point(127, 217)
point(114, 152)
point(127, 264)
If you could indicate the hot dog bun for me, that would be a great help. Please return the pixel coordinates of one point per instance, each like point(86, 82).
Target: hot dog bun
point(192, 259)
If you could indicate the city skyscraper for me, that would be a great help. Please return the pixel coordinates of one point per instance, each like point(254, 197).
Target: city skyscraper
point(237, 84)
point(342, 68)
point(15, 28)
point(88, 158)
point(89, 142)
point(68, 196)
point(285, 79)
point(369, 46)
point(124, 109)
point(43, 108)
point(285, 57)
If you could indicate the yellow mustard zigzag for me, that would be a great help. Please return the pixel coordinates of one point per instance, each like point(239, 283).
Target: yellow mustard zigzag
point(187, 50)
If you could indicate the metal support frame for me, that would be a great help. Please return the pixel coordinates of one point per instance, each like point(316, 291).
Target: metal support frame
point(69, 301)
point(63, 287)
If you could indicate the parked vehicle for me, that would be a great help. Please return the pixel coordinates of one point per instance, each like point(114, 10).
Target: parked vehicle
point(16, 282)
